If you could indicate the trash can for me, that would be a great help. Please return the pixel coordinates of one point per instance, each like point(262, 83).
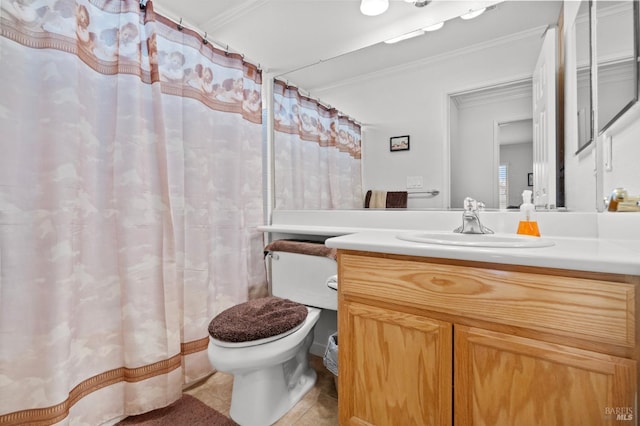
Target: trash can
point(330, 359)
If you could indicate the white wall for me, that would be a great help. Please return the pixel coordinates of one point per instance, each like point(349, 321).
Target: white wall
point(625, 155)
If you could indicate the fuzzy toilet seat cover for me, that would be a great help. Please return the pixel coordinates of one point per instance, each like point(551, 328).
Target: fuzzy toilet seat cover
point(257, 319)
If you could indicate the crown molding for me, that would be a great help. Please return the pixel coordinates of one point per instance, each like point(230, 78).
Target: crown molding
point(610, 9)
point(616, 71)
point(520, 90)
point(234, 13)
point(534, 32)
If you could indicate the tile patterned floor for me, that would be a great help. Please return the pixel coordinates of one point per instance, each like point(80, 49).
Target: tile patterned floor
point(319, 407)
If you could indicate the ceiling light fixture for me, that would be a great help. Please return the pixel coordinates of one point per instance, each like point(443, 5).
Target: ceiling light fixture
point(473, 13)
point(418, 3)
point(406, 36)
point(374, 7)
point(434, 27)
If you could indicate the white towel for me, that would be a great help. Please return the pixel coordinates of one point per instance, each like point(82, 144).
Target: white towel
point(378, 200)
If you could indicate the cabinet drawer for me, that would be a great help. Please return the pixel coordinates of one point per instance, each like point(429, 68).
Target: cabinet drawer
point(600, 311)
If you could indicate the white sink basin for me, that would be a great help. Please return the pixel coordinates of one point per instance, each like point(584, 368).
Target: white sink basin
point(475, 240)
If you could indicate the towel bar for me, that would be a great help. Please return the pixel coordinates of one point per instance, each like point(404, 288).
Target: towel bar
point(433, 193)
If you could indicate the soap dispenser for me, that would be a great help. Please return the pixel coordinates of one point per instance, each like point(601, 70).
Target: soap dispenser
point(527, 225)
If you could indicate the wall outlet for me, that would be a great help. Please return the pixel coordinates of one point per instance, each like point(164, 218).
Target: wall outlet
point(414, 182)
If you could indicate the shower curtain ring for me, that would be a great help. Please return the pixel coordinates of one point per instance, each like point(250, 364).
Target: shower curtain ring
point(180, 27)
point(204, 40)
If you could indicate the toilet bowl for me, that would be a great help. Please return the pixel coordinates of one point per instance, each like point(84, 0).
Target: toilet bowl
point(272, 374)
point(268, 378)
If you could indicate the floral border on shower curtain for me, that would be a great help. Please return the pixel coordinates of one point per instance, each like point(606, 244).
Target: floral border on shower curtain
point(114, 37)
point(317, 153)
point(130, 193)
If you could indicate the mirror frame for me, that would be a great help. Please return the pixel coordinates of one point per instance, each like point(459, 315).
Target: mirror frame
point(636, 52)
point(592, 126)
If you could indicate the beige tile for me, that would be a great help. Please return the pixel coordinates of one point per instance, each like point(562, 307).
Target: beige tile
point(292, 416)
point(218, 384)
point(298, 410)
point(215, 392)
point(326, 383)
point(323, 413)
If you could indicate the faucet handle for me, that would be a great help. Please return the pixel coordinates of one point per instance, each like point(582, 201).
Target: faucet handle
point(470, 204)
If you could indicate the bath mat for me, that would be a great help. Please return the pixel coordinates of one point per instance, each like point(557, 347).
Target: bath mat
point(187, 411)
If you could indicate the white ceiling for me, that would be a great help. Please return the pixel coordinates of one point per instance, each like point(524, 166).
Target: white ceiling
point(285, 35)
point(513, 132)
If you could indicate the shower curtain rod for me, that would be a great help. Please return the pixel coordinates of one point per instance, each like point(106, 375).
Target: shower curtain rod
point(181, 24)
point(308, 95)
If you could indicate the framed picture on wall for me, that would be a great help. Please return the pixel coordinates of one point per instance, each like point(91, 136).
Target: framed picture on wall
point(399, 143)
point(530, 179)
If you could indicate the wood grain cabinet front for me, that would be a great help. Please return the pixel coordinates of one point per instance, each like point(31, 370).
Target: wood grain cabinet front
point(508, 380)
point(438, 342)
point(399, 367)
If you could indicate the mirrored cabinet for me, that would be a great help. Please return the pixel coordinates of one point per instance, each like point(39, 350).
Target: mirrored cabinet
point(582, 29)
point(616, 59)
point(607, 76)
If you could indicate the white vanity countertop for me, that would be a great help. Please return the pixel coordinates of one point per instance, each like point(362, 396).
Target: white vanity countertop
point(583, 254)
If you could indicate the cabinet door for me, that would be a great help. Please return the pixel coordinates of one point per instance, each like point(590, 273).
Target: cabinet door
point(394, 368)
point(502, 379)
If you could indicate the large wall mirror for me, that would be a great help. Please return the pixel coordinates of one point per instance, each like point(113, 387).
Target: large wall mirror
point(616, 59)
point(406, 89)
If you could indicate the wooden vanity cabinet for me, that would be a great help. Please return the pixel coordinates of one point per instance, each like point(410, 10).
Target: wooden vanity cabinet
point(400, 367)
point(437, 342)
point(507, 380)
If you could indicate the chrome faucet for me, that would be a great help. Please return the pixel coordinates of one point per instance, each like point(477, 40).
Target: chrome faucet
point(471, 218)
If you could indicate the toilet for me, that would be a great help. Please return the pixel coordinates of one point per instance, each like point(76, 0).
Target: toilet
point(271, 374)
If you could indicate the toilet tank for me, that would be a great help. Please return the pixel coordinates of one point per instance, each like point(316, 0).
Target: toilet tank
point(302, 278)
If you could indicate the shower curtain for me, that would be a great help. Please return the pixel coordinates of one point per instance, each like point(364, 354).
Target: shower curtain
point(316, 153)
point(130, 192)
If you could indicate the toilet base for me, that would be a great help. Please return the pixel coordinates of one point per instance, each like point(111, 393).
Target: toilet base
point(261, 397)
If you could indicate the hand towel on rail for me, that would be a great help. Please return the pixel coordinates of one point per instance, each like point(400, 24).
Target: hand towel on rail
point(386, 199)
point(313, 248)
